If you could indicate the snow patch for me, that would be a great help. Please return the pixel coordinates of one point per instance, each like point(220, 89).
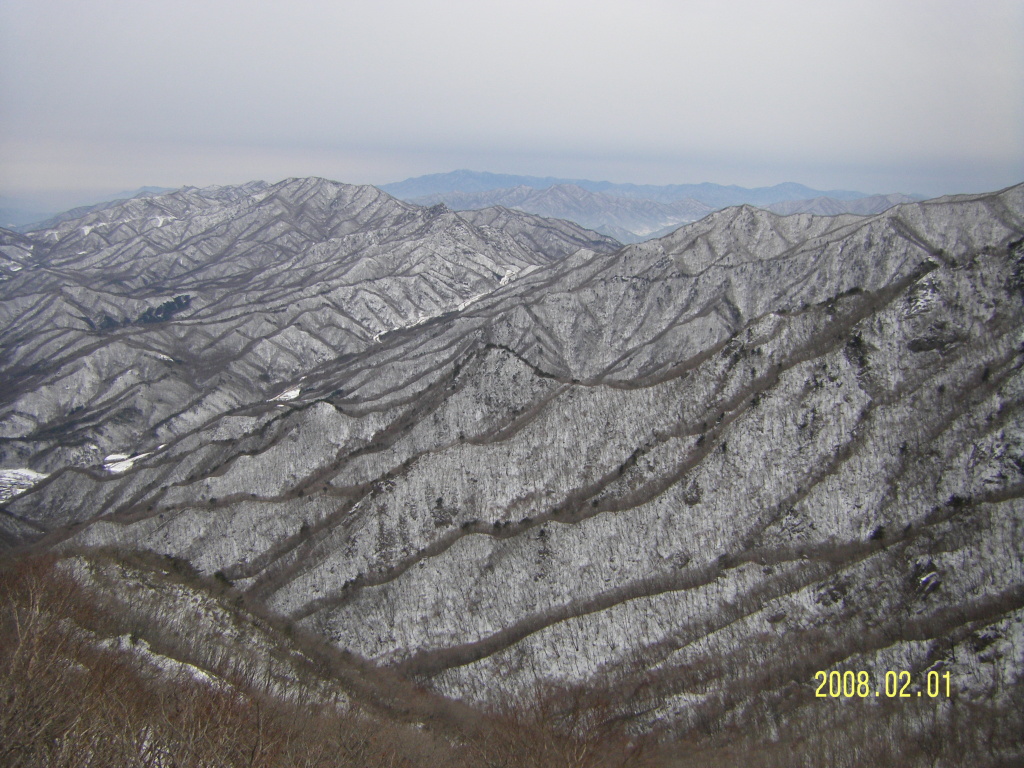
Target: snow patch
point(471, 300)
point(116, 463)
point(15, 481)
point(923, 297)
point(167, 665)
point(288, 394)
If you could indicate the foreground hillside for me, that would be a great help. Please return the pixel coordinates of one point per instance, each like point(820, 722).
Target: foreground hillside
point(113, 659)
point(684, 476)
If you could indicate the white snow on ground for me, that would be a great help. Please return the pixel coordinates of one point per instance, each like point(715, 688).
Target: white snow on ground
point(471, 300)
point(420, 320)
point(169, 666)
point(288, 394)
point(116, 463)
point(922, 298)
point(511, 273)
point(15, 481)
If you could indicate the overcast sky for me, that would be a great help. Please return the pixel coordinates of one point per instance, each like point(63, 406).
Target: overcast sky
point(903, 95)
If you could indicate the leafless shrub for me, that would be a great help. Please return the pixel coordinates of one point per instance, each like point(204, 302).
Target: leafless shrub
point(558, 728)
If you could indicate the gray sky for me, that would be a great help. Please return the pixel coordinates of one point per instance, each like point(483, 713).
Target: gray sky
point(904, 95)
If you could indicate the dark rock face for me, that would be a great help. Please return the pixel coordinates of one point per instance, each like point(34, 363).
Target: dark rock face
point(698, 469)
point(166, 310)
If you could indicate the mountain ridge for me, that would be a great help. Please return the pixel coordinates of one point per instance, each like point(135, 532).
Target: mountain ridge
point(827, 206)
point(634, 219)
point(628, 212)
point(329, 267)
point(716, 195)
point(690, 472)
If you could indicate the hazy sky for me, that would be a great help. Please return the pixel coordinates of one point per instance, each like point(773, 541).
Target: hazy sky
point(903, 95)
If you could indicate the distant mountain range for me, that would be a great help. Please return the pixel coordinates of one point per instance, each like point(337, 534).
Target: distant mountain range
point(715, 195)
point(626, 219)
point(628, 212)
point(24, 214)
point(15, 216)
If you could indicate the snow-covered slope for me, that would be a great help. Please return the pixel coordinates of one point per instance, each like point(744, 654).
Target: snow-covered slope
point(695, 471)
point(135, 324)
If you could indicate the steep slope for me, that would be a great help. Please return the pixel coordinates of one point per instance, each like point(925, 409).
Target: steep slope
point(693, 472)
point(626, 219)
point(553, 238)
point(137, 323)
point(15, 251)
point(116, 660)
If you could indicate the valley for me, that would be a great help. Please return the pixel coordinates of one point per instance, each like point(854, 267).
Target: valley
point(480, 454)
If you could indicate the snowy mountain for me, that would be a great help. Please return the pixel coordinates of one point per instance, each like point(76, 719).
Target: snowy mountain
point(137, 323)
point(628, 212)
point(714, 195)
point(626, 219)
point(492, 452)
point(829, 206)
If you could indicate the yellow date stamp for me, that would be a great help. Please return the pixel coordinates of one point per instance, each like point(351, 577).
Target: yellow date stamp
point(894, 685)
